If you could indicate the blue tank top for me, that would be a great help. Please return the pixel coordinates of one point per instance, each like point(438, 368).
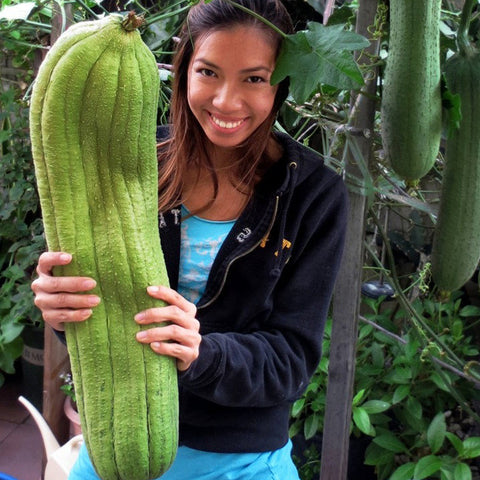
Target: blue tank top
point(201, 240)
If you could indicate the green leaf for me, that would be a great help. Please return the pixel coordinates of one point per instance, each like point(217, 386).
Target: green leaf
point(427, 466)
point(471, 447)
point(375, 406)
point(316, 5)
point(390, 442)
point(404, 472)
point(399, 375)
point(456, 442)
point(470, 311)
point(462, 472)
point(411, 349)
point(319, 55)
point(358, 397)
point(13, 273)
point(297, 407)
point(439, 382)
point(9, 353)
point(457, 328)
point(446, 473)
point(400, 393)
point(470, 351)
point(311, 426)
point(414, 408)
point(313, 386)
point(362, 420)
point(9, 331)
point(436, 432)
point(295, 428)
point(376, 455)
point(323, 365)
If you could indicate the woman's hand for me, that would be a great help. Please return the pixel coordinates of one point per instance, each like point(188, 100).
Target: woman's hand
point(62, 299)
point(180, 338)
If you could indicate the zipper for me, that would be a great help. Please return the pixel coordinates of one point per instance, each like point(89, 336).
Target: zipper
point(251, 249)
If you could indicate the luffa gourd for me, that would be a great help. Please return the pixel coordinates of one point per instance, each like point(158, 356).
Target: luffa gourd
point(93, 126)
point(456, 241)
point(411, 108)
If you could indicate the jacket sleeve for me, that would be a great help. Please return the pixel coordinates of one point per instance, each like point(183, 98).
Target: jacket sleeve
point(273, 364)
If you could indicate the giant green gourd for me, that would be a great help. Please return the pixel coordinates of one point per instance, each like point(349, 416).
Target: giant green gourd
point(456, 242)
point(93, 126)
point(411, 107)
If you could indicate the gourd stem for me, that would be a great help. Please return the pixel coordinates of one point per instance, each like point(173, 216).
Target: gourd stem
point(132, 21)
point(464, 45)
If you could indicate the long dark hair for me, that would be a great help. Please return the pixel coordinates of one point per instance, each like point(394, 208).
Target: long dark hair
point(187, 144)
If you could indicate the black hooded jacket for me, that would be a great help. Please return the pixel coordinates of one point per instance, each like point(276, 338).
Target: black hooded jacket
point(263, 312)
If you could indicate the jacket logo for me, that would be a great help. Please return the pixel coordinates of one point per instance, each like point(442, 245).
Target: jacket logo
point(244, 234)
point(176, 212)
point(161, 221)
point(286, 244)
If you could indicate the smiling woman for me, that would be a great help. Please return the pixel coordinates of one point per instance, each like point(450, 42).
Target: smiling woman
point(230, 97)
point(187, 152)
point(252, 227)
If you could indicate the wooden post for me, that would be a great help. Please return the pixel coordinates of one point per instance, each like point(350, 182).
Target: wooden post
point(55, 353)
point(55, 362)
point(346, 301)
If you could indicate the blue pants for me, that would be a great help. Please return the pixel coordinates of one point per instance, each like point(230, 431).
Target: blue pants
point(197, 465)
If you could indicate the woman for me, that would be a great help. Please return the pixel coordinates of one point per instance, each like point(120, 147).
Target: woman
point(252, 228)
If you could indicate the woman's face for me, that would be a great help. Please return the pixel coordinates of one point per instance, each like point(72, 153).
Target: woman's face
point(229, 89)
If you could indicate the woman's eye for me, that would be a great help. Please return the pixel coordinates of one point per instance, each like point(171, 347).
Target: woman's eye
point(256, 79)
point(206, 72)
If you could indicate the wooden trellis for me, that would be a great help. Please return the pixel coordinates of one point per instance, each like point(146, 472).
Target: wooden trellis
point(346, 301)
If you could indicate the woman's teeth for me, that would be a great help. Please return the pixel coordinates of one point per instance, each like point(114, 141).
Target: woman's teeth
point(223, 124)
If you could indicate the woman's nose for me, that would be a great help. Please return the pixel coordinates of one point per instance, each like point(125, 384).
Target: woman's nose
point(227, 97)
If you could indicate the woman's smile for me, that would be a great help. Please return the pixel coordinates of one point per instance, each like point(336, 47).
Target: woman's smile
point(226, 124)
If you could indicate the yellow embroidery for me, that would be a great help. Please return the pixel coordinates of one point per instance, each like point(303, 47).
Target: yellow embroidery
point(285, 245)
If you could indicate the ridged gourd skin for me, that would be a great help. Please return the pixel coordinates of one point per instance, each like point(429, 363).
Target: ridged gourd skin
point(456, 241)
point(411, 107)
point(93, 132)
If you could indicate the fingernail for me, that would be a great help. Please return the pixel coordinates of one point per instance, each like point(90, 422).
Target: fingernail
point(139, 316)
point(153, 289)
point(89, 284)
point(141, 335)
point(65, 257)
point(93, 300)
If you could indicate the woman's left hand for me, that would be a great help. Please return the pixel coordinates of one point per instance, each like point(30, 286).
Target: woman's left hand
point(180, 338)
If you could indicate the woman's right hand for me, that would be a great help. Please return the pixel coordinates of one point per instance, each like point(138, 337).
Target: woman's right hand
point(62, 299)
